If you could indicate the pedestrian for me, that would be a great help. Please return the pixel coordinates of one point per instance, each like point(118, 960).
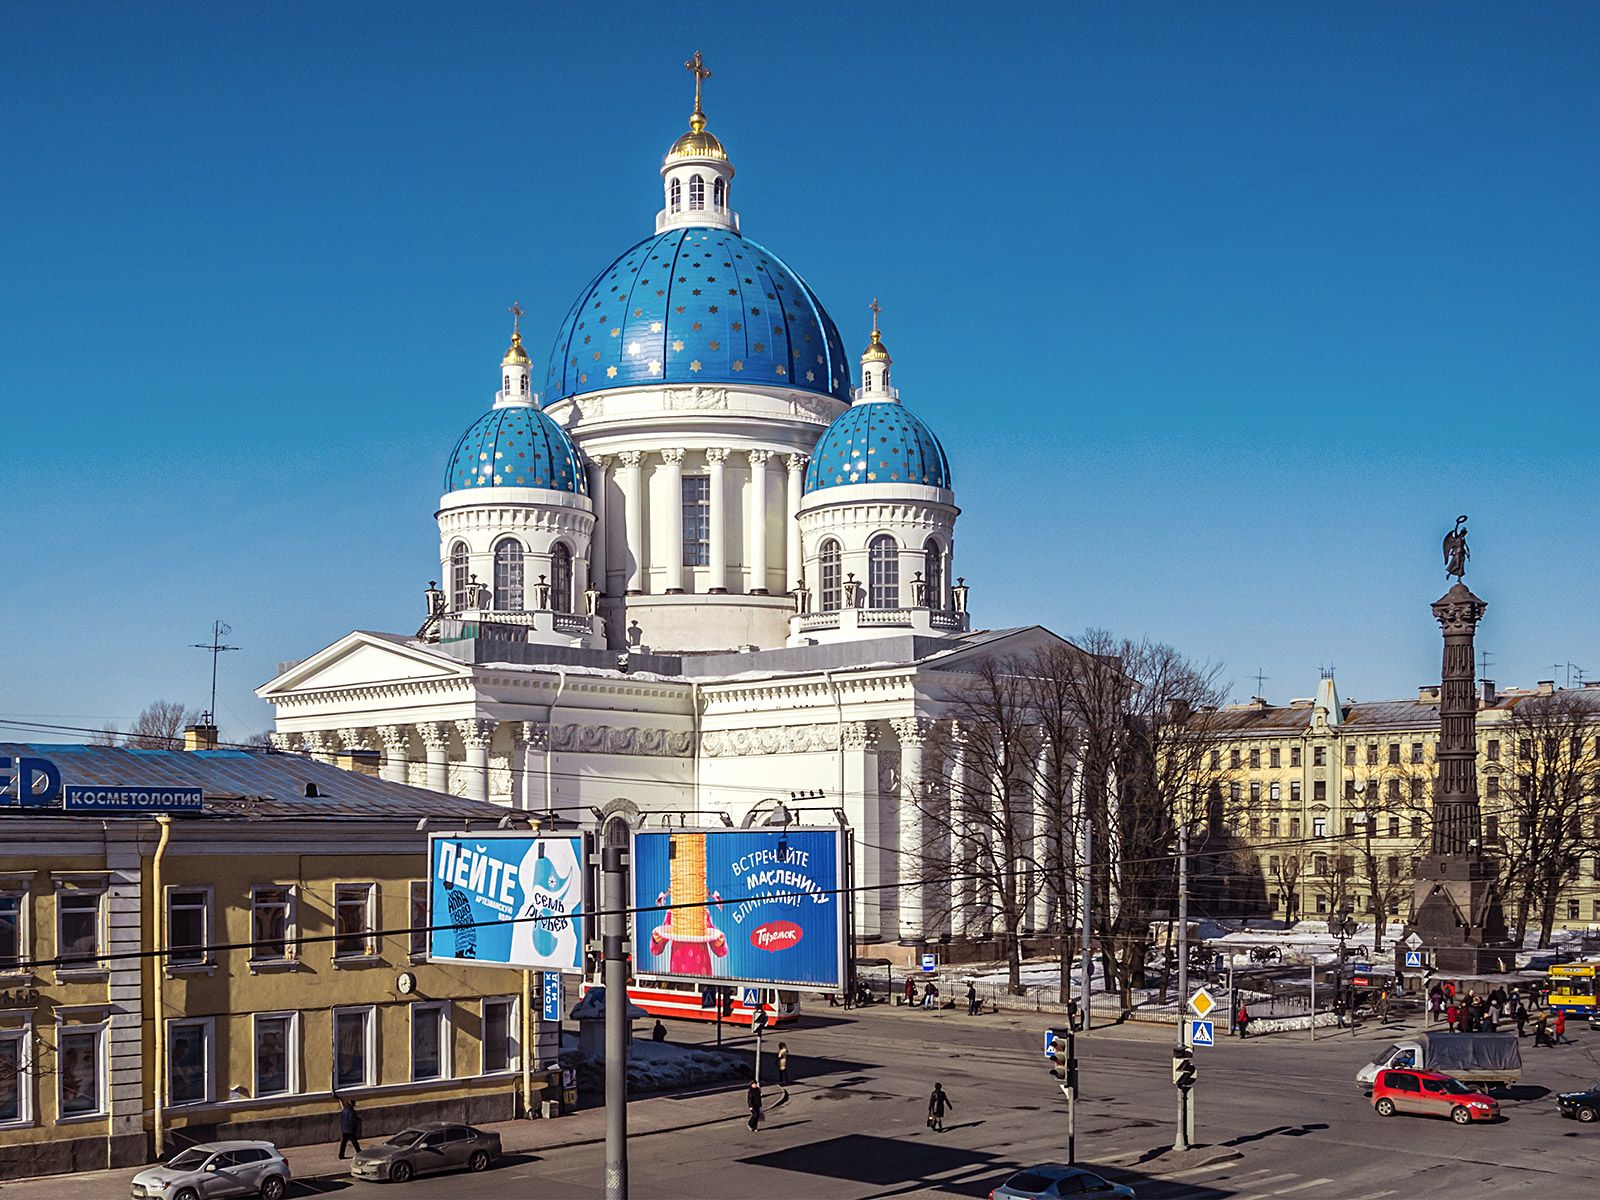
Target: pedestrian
point(1561, 1025)
point(910, 991)
point(349, 1126)
point(783, 1064)
point(930, 995)
point(1074, 1014)
point(752, 1097)
point(1242, 1020)
point(1519, 1014)
point(658, 1031)
point(1452, 1015)
point(1383, 1006)
point(974, 1005)
point(937, 1103)
point(1338, 1010)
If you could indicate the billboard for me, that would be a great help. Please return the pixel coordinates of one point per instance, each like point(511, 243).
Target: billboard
point(760, 906)
point(506, 900)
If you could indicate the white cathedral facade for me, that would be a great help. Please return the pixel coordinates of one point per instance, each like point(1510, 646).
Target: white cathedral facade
point(713, 567)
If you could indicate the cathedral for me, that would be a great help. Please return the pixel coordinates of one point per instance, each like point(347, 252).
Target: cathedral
point(701, 567)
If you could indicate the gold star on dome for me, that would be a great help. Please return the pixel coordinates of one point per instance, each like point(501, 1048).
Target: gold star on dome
point(611, 372)
point(655, 366)
point(811, 376)
point(695, 365)
point(616, 331)
point(738, 364)
point(633, 347)
point(677, 346)
point(655, 326)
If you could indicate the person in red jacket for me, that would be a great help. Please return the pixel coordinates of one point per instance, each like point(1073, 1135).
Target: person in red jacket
point(1561, 1025)
point(1452, 1015)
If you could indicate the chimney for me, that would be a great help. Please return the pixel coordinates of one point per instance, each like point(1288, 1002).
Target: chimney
point(362, 762)
point(200, 737)
point(1547, 687)
point(1487, 692)
point(1428, 693)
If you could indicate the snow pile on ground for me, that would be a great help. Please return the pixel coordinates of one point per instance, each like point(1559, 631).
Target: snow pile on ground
point(657, 1066)
point(593, 1007)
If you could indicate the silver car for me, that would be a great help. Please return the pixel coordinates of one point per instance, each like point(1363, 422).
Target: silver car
point(216, 1169)
point(435, 1146)
point(1053, 1179)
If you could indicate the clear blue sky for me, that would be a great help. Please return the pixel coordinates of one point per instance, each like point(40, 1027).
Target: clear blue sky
point(1223, 312)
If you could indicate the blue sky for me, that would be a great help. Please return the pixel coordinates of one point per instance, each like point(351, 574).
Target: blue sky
point(1223, 312)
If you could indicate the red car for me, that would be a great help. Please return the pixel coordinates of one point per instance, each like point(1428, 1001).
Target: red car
point(1430, 1094)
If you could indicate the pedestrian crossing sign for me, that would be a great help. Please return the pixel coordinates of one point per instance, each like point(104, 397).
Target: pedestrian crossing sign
point(1202, 1033)
point(751, 997)
point(1413, 958)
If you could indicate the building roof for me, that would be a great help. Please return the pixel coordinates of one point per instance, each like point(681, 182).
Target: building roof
point(515, 446)
point(250, 783)
point(697, 305)
point(877, 441)
point(1377, 716)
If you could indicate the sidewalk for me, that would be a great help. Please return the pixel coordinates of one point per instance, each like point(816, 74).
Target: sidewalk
point(646, 1116)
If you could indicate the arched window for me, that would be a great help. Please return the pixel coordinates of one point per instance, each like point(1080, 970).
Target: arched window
point(829, 577)
point(524, 385)
point(506, 387)
point(675, 190)
point(458, 575)
point(933, 572)
point(508, 575)
point(697, 192)
point(883, 572)
point(717, 194)
point(561, 578)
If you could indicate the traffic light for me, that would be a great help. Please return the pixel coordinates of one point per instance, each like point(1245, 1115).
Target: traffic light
point(1183, 1072)
point(1058, 1057)
point(758, 1019)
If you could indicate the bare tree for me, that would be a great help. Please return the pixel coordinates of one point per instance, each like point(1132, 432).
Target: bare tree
point(1385, 813)
point(160, 726)
point(107, 735)
point(259, 741)
point(1550, 802)
point(1286, 870)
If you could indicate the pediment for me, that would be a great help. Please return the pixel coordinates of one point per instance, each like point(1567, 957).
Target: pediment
point(364, 660)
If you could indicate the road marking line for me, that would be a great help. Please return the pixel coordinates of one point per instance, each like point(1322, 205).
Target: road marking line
point(1216, 1166)
point(1381, 1195)
point(1283, 1191)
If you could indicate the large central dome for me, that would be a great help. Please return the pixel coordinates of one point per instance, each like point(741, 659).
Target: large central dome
point(697, 305)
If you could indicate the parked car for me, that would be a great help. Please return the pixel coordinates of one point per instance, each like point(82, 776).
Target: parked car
point(1584, 1105)
point(418, 1149)
point(216, 1169)
point(1054, 1179)
point(1428, 1093)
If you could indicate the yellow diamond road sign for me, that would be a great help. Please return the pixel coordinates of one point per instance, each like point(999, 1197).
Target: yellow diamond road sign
point(1202, 1002)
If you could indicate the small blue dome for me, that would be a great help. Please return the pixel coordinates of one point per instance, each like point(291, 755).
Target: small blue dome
point(877, 441)
point(697, 305)
point(515, 446)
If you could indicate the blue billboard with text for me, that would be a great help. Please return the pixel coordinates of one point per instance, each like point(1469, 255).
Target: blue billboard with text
point(506, 900)
point(760, 906)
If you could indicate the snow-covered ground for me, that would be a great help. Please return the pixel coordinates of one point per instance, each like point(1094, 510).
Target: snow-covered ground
point(660, 1066)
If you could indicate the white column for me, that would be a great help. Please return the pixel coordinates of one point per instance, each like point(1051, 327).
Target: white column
point(794, 567)
point(859, 746)
point(673, 552)
point(529, 763)
point(719, 520)
point(476, 733)
point(396, 744)
point(436, 743)
point(597, 542)
point(962, 851)
point(919, 859)
point(756, 531)
point(1044, 843)
point(633, 518)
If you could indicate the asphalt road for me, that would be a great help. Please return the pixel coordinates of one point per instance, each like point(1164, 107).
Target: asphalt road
point(1278, 1116)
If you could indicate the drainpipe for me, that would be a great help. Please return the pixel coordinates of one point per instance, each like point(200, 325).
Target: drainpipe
point(694, 747)
point(549, 744)
point(527, 1045)
point(159, 971)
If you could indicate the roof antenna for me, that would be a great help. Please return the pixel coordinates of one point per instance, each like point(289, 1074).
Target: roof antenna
point(218, 632)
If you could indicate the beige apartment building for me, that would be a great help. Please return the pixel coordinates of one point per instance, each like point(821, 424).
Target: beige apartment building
point(1331, 798)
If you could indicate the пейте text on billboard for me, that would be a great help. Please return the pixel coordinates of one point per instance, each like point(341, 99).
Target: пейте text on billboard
point(506, 900)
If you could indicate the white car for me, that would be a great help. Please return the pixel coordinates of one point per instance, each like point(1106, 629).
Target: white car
point(216, 1169)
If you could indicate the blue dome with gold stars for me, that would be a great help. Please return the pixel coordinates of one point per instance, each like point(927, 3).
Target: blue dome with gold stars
point(877, 441)
point(697, 305)
point(515, 446)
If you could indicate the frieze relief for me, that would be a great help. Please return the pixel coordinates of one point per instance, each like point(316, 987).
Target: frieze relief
point(697, 398)
point(611, 739)
point(793, 739)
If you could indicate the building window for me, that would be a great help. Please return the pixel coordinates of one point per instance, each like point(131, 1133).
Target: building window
point(353, 1048)
point(277, 1062)
point(1322, 904)
point(1319, 791)
point(697, 193)
point(1274, 827)
point(1275, 793)
point(717, 193)
point(1394, 754)
point(12, 906)
point(1394, 789)
point(1294, 828)
point(1572, 910)
point(1494, 749)
point(1319, 827)
point(352, 920)
point(1393, 866)
point(1416, 789)
point(561, 578)
point(1234, 759)
point(1233, 793)
point(1350, 754)
point(1349, 827)
point(1416, 827)
point(1394, 826)
point(1275, 757)
point(430, 1041)
point(933, 572)
point(883, 572)
point(458, 575)
point(1319, 756)
point(16, 1091)
point(270, 921)
point(188, 910)
point(189, 1062)
point(675, 191)
point(1294, 791)
point(80, 1068)
point(1491, 828)
point(1321, 864)
point(1273, 865)
point(419, 918)
point(829, 585)
point(499, 1039)
point(1216, 760)
point(1255, 760)
point(1294, 756)
point(1255, 827)
point(1349, 790)
point(508, 591)
point(696, 520)
point(1492, 787)
point(1372, 754)
point(78, 928)
point(1255, 793)
point(1416, 752)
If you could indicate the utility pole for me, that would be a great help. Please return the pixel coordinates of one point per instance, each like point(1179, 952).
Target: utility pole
point(614, 951)
point(1088, 925)
point(216, 648)
point(1182, 1140)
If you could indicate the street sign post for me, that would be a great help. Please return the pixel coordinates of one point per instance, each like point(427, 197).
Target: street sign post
point(552, 995)
point(1202, 1002)
point(1202, 1033)
point(1413, 941)
point(750, 997)
point(1060, 1047)
point(1414, 958)
point(930, 963)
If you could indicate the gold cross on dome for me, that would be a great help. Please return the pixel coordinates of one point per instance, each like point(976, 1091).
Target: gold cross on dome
point(876, 309)
point(516, 311)
point(697, 67)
